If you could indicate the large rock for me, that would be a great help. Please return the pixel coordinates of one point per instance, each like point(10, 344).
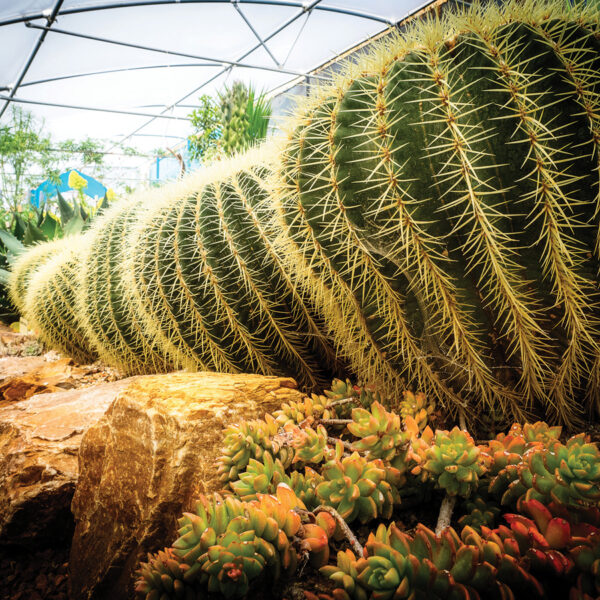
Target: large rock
point(39, 441)
point(144, 462)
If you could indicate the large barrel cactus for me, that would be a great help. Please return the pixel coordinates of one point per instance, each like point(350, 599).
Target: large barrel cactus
point(208, 286)
point(441, 202)
point(113, 330)
point(49, 305)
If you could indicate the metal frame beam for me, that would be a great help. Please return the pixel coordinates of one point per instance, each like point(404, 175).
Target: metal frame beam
point(283, 3)
point(32, 55)
point(106, 72)
point(92, 108)
point(256, 35)
point(306, 8)
point(216, 61)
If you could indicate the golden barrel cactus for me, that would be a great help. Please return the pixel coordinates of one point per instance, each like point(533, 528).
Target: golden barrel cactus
point(440, 199)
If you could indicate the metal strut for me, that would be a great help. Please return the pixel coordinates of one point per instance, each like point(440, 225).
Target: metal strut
point(305, 8)
point(92, 108)
point(215, 61)
point(115, 5)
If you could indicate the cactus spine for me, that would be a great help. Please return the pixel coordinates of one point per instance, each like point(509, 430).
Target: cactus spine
point(25, 266)
point(209, 286)
point(441, 201)
point(113, 330)
point(50, 302)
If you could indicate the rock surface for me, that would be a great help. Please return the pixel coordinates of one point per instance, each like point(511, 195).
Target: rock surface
point(39, 441)
point(143, 463)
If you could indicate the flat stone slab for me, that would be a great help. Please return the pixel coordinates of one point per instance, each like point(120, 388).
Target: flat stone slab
point(39, 443)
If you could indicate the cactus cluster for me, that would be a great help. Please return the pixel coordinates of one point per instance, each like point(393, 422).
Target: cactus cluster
point(113, 330)
point(49, 303)
point(433, 211)
point(187, 276)
point(25, 266)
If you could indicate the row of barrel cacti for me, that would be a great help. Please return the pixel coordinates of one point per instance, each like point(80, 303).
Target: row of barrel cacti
point(434, 212)
point(185, 276)
point(345, 455)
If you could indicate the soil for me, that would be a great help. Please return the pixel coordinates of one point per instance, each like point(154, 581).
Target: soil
point(34, 574)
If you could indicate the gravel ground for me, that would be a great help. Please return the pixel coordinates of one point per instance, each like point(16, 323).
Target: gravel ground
point(34, 575)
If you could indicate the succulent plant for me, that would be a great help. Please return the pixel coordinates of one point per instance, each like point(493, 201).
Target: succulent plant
point(310, 444)
point(266, 476)
point(357, 488)
point(426, 198)
point(307, 409)
point(163, 576)
point(417, 407)
point(453, 461)
point(361, 396)
point(479, 511)
point(380, 435)
point(540, 537)
point(259, 477)
point(250, 439)
point(227, 544)
point(396, 565)
point(335, 403)
point(586, 557)
point(244, 117)
point(568, 474)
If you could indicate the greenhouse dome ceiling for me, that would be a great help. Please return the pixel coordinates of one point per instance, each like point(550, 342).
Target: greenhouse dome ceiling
point(131, 71)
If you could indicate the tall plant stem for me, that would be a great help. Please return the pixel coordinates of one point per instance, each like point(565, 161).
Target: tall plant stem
point(445, 515)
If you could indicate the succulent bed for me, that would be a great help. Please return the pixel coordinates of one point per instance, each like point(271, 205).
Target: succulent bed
point(428, 223)
point(524, 505)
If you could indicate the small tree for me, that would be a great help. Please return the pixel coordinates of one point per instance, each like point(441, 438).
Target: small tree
point(207, 124)
point(26, 157)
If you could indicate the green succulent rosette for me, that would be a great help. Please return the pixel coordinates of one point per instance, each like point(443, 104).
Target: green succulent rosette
point(357, 488)
point(235, 561)
point(453, 461)
point(163, 576)
point(569, 473)
point(259, 478)
point(310, 444)
point(479, 512)
point(416, 406)
point(246, 440)
point(380, 434)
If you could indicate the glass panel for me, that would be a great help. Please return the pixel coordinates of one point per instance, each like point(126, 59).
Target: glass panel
point(19, 41)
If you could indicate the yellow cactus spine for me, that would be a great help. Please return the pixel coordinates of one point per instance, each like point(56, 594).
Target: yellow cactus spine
point(49, 304)
point(114, 331)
